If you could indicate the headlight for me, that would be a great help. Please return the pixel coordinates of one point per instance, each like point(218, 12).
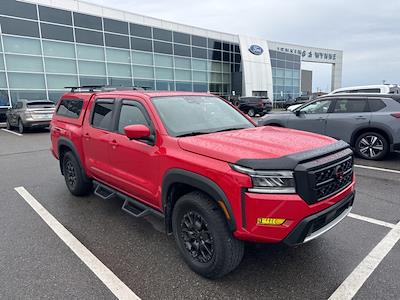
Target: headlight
point(269, 182)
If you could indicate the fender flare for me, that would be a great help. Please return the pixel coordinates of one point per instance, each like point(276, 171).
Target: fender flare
point(67, 143)
point(199, 182)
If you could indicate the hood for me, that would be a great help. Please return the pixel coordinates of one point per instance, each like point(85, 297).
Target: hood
point(253, 143)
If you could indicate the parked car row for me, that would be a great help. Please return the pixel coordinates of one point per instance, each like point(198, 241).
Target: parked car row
point(370, 123)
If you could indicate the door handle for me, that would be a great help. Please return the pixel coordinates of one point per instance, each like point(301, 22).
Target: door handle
point(87, 136)
point(114, 144)
point(361, 118)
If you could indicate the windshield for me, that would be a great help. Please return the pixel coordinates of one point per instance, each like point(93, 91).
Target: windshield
point(192, 115)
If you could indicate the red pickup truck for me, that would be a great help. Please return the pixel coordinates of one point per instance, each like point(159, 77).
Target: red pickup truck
point(196, 161)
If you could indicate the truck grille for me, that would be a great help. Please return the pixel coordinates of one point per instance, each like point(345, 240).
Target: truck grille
point(334, 178)
point(319, 179)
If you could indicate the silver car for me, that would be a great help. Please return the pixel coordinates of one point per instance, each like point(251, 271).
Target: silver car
point(30, 114)
point(370, 123)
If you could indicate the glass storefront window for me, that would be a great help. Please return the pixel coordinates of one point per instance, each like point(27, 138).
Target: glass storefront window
point(119, 70)
point(24, 63)
point(288, 73)
point(183, 75)
point(58, 49)
point(296, 74)
point(279, 81)
point(215, 66)
point(163, 61)
point(58, 82)
point(288, 82)
point(143, 72)
point(165, 85)
point(26, 81)
point(164, 73)
point(63, 66)
point(1, 62)
point(216, 77)
point(31, 95)
point(226, 78)
point(184, 86)
point(199, 76)
point(199, 64)
point(142, 58)
point(3, 82)
point(90, 52)
point(92, 68)
point(226, 68)
point(280, 72)
point(182, 63)
point(21, 45)
point(118, 56)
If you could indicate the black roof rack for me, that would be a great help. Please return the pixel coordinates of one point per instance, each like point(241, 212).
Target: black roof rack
point(104, 88)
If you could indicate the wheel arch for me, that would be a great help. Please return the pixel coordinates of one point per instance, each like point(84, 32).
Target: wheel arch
point(178, 182)
point(375, 129)
point(64, 145)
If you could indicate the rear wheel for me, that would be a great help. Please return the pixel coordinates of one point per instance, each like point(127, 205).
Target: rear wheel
point(75, 180)
point(21, 127)
point(203, 237)
point(251, 112)
point(372, 146)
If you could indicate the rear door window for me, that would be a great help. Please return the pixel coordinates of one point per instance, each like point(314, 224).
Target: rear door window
point(350, 106)
point(70, 108)
point(376, 105)
point(103, 114)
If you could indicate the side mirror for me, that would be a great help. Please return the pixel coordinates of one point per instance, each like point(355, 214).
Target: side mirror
point(135, 132)
point(298, 113)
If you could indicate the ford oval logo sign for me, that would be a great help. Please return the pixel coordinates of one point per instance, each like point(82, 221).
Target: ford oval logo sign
point(256, 50)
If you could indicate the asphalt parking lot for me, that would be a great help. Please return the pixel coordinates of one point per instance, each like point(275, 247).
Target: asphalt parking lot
point(36, 263)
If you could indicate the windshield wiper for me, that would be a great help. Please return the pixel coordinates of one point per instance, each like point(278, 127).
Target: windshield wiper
point(230, 129)
point(193, 133)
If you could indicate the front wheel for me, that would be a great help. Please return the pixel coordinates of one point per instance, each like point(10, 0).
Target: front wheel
point(372, 146)
point(203, 237)
point(75, 180)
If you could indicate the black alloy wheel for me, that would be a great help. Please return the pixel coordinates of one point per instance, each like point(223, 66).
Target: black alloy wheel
point(196, 236)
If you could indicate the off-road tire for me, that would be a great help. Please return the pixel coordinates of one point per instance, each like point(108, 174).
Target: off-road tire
point(227, 251)
point(76, 181)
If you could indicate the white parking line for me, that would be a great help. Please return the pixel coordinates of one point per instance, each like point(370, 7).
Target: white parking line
point(351, 285)
point(10, 131)
point(371, 220)
point(377, 169)
point(110, 280)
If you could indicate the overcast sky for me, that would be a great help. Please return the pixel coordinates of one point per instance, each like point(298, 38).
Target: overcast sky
point(368, 31)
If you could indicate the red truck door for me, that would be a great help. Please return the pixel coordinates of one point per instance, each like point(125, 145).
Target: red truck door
point(134, 162)
point(97, 136)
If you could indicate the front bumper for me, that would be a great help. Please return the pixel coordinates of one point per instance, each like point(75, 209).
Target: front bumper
point(303, 220)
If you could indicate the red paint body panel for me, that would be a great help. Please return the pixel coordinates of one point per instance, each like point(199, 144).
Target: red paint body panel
point(137, 169)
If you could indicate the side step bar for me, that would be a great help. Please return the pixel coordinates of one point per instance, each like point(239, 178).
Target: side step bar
point(130, 206)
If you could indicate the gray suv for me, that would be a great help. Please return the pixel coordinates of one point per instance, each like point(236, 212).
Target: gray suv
point(368, 122)
point(30, 114)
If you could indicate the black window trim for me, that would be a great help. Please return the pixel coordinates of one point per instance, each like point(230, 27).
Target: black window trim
point(136, 103)
point(107, 101)
point(71, 98)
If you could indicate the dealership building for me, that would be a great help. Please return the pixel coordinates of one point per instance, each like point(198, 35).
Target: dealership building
point(46, 45)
